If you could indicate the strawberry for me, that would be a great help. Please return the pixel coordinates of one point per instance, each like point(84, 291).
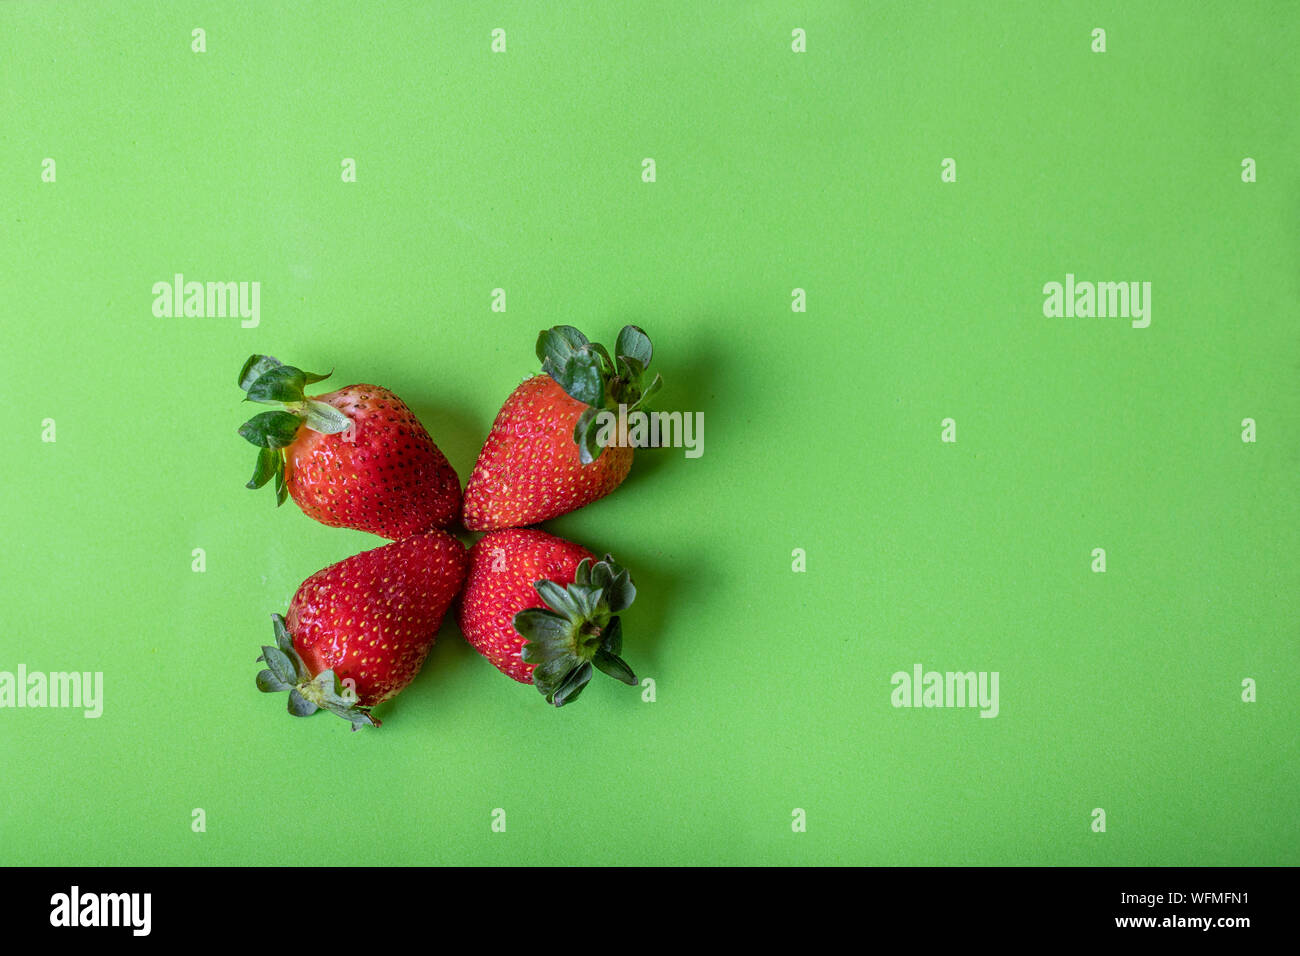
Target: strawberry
point(354, 458)
point(544, 611)
point(545, 454)
point(358, 631)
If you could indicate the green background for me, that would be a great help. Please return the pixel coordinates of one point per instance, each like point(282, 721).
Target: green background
point(775, 171)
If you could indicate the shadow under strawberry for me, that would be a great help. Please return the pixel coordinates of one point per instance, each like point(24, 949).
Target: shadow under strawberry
point(694, 388)
point(646, 620)
point(450, 659)
point(457, 429)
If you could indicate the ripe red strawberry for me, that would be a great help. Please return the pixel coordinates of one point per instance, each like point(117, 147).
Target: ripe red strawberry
point(354, 458)
point(543, 611)
point(544, 456)
point(358, 631)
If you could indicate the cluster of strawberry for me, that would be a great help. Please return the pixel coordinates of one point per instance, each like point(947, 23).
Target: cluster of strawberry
point(543, 610)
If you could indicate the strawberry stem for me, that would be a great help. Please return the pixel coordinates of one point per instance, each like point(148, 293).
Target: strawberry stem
point(587, 374)
point(268, 382)
point(286, 671)
point(578, 629)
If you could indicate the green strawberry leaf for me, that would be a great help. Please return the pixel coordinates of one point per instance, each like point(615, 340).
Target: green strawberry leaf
point(545, 652)
point(630, 369)
point(572, 685)
point(268, 683)
point(612, 640)
point(557, 344)
point(253, 369)
point(307, 693)
point(600, 575)
point(558, 598)
point(548, 675)
point(582, 573)
point(650, 391)
point(268, 459)
point(541, 626)
point(614, 666)
point(633, 343)
point(282, 638)
point(280, 664)
point(580, 377)
point(282, 385)
point(585, 433)
point(588, 599)
point(281, 490)
point(300, 706)
point(271, 429)
point(587, 374)
point(620, 592)
point(579, 631)
point(606, 363)
point(268, 382)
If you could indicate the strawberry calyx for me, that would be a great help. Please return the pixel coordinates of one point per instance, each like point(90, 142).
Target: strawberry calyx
point(588, 374)
point(308, 693)
point(579, 631)
point(269, 382)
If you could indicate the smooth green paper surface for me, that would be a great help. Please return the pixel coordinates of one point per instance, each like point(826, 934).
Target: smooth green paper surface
point(775, 171)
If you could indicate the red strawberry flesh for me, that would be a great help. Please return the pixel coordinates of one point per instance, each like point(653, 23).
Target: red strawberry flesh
point(503, 567)
point(373, 617)
point(385, 475)
point(529, 469)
